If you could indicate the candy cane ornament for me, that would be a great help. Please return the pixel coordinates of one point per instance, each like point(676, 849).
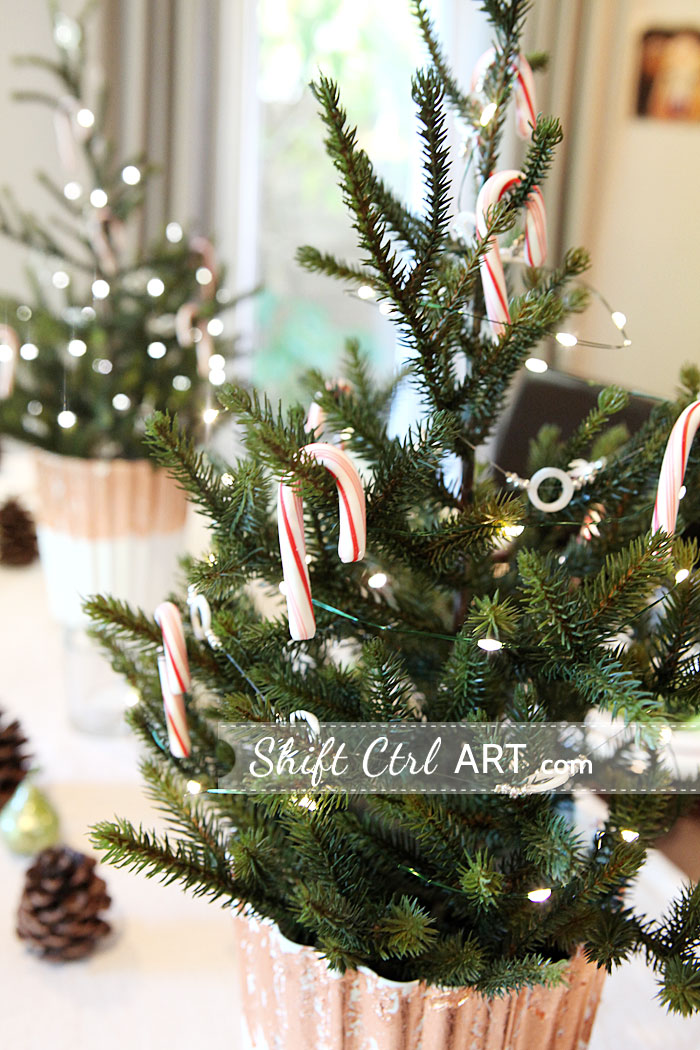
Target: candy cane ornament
point(175, 716)
point(203, 247)
point(174, 671)
point(673, 469)
point(491, 267)
point(9, 355)
point(316, 417)
point(524, 89)
point(185, 320)
point(290, 520)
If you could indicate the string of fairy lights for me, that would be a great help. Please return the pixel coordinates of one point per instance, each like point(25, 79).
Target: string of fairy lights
point(79, 318)
point(201, 622)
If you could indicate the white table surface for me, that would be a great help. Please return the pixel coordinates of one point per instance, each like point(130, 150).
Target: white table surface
point(168, 976)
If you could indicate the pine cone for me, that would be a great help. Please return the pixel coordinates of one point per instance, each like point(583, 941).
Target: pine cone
point(17, 535)
point(14, 763)
point(58, 912)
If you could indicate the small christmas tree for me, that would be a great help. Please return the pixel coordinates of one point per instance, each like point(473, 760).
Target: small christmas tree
point(473, 603)
point(109, 331)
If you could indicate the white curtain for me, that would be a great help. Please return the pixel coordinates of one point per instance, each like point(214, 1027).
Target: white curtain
point(182, 78)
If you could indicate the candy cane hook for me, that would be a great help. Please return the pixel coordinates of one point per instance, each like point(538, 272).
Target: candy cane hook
point(290, 520)
point(673, 469)
point(174, 672)
point(492, 275)
point(524, 89)
point(9, 355)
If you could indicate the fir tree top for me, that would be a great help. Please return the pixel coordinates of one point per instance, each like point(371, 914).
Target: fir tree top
point(109, 331)
point(436, 887)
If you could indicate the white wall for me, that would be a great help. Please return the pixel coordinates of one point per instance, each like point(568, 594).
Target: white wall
point(637, 207)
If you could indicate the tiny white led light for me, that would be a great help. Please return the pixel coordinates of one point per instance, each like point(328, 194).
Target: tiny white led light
point(512, 531)
point(132, 697)
point(100, 288)
point(682, 575)
point(155, 287)
point(203, 275)
point(536, 364)
point(76, 347)
point(487, 114)
point(156, 350)
point(306, 803)
point(72, 191)
point(366, 291)
point(181, 383)
point(88, 313)
point(66, 419)
point(35, 408)
point(618, 319)
point(217, 377)
point(489, 645)
point(28, 351)
point(377, 580)
point(540, 896)
point(628, 835)
point(66, 32)
point(193, 787)
point(85, 118)
point(282, 587)
point(102, 365)
point(566, 338)
point(24, 313)
point(209, 415)
point(121, 402)
point(173, 232)
point(60, 279)
point(131, 175)
point(98, 198)
point(215, 327)
point(217, 361)
point(682, 491)
point(227, 480)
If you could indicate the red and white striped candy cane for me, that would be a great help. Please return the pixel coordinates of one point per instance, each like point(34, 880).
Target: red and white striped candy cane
point(177, 667)
point(175, 717)
point(673, 469)
point(316, 418)
point(203, 246)
point(524, 91)
point(492, 275)
point(290, 520)
point(185, 320)
point(9, 352)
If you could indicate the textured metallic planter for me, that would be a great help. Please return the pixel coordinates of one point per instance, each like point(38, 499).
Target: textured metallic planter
point(291, 1001)
point(106, 526)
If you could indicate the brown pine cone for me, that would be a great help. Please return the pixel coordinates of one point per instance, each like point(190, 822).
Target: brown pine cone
point(58, 912)
point(17, 535)
point(14, 763)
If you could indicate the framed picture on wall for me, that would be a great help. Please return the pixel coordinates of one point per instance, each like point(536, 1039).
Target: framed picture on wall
point(668, 85)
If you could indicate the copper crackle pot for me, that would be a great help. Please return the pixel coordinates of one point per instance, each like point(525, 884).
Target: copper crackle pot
point(292, 1001)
